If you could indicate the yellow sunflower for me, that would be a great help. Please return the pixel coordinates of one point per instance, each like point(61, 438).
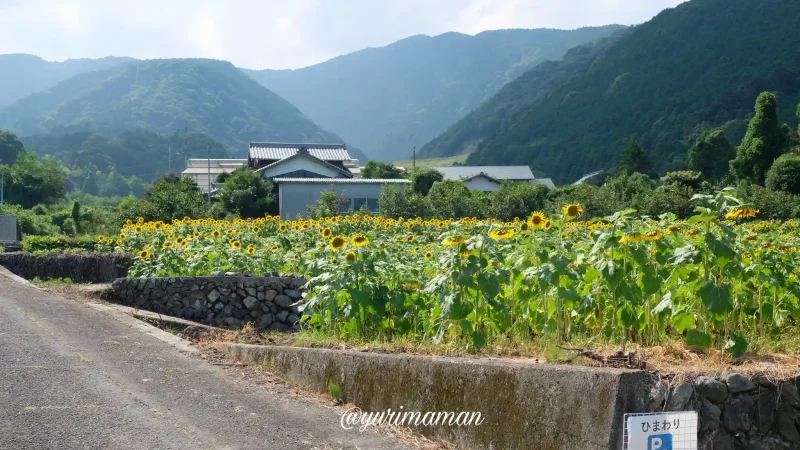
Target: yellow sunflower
point(467, 254)
point(455, 240)
point(523, 226)
point(101, 238)
point(537, 219)
point(502, 233)
point(236, 244)
point(351, 256)
point(144, 254)
point(256, 230)
point(429, 255)
point(360, 240)
point(138, 229)
point(411, 238)
point(283, 228)
point(140, 220)
point(572, 211)
point(167, 244)
point(326, 233)
point(215, 233)
point(251, 249)
point(338, 242)
point(548, 224)
point(274, 248)
point(122, 236)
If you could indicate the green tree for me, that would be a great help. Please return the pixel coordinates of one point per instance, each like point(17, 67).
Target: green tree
point(328, 205)
point(784, 175)
point(422, 179)
point(634, 159)
point(762, 144)
point(517, 200)
point(711, 155)
point(247, 194)
point(399, 201)
point(31, 181)
point(685, 178)
point(10, 147)
point(76, 216)
point(171, 197)
point(374, 169)
point(449, 198)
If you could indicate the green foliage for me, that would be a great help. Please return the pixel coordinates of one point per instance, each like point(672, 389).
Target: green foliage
point(329, 205)
point(634, 159)
point(30, 181)
point(169, 198)
point(423, 179)
point(784, 175)
point(685, 178)
point(762, 144)
point(76, 216)
point(396, 201)
point(517, 200)
point(427, 83)
point(36, 244)
point(10, 147)
point(711, 154)
point(449, 198)
point(247, 194)
point(374, 169)
point(209, 97)
point(683, 81)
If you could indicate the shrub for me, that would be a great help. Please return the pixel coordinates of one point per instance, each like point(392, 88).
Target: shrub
point(784, 175)
point(35, 244)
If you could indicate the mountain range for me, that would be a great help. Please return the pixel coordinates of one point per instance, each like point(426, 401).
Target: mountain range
point(696, 66)
point(210, 97)
point(386, 100)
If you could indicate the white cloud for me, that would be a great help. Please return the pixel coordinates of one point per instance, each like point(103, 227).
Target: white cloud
point(277, 33)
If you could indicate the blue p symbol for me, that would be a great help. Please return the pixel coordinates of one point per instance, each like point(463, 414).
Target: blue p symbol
point(660, 442)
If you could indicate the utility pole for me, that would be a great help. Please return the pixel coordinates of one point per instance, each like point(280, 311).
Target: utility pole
point(2, 185)
point(208, 164)
point(413, 152)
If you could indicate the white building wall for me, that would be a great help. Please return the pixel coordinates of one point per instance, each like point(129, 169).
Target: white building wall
point(482, 184)
point(301, 163)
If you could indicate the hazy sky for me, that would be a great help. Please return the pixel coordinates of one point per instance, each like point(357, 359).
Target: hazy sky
point(277, 34)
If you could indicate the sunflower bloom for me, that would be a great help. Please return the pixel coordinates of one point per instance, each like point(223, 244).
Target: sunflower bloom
point(251, 249)
point(455, 240)
point(326, 233)
point(467, 254)
point(215, 233)
point(548, 224)
point(351, 256)
point(236, 244)
point(742, 213)
point(256, 230)
point(338, 242)
point(429, 255)
point(537, 219)
point(360, 240)
point(167, 245)
point(572, 211)
point(502, 233)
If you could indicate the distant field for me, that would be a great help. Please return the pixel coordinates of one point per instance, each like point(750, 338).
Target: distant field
point(433, 162)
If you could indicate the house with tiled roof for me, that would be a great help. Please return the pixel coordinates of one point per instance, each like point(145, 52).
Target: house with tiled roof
point(302, 172)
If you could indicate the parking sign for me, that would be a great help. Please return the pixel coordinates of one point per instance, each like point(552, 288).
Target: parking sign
point(661, 431)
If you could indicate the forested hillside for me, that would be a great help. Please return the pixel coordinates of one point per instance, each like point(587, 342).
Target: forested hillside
point(383, 99)
point(22, 75)
point(690, 68)
point(208, 97)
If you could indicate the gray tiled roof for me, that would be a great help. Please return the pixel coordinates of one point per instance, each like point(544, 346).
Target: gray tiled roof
point(277, 150)
point(497, 172)
point(342, 180)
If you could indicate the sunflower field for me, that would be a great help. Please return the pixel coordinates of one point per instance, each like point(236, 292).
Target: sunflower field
point(720, 278)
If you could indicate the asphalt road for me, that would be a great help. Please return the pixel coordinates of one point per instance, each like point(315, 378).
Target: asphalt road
point(73, 377)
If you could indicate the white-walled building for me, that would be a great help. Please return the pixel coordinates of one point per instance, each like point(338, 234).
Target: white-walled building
point(489, 178)
point(198, 169)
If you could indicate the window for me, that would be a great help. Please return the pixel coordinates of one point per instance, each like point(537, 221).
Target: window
point(371, 203)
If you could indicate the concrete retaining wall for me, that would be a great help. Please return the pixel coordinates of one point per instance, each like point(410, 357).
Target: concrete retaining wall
point(267, 302)
point(79, 267)
point(736, 411)
point(528, 406)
